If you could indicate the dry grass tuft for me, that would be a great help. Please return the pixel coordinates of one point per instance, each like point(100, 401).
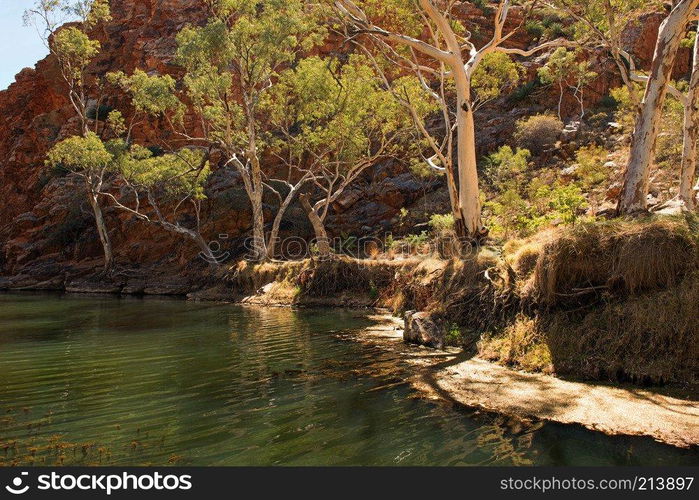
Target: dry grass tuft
point(520, 344)
point(653, 338)
point(343, 274)
point(249, 277)
point(623, 257)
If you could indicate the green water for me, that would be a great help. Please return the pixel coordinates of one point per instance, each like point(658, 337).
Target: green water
point(104, 380)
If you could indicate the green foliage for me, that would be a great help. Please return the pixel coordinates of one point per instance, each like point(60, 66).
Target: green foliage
point(180, 174)
point(70, 44)
point(74, 50)
point(481, 4)
point(336, 112)
point(689, 40)
point(534, 28)
point(562, 201)
point(538, 133)
point(547, 23)
point(591, 169)
point(625, 111)
point(80, 154)
point(153, 95)
point(415, 241)
point(396, 15)
point(504, 166)
point(116, 123)
point(453, 336)
point(510, 214)
point(495, 73)
point(524, 91)
point(564, 70)
point(604, 18)
point(441, 223)
point(90, 12)
point(243, 46)
point(557, 66)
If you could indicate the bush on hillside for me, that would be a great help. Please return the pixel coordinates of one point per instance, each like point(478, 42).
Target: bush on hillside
point(538, 133)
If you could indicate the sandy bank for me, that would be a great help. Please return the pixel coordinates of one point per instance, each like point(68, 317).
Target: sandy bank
point(450, 375)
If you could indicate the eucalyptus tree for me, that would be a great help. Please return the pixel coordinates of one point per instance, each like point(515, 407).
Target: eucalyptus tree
point(73, 50)
point(332, 120)
point(633, 197)
point(601, 24)
point(428, 40)
point(231, 62)
point(564, 70)
point(168, 182)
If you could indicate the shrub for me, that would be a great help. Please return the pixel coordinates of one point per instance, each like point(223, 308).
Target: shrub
point(505, 164)
point(538, 133)
point(511, 214)
point(534, 28)
point(559, 202)
point(526, 90)
point(441, 223)
point(416, 240)
point(591, 169)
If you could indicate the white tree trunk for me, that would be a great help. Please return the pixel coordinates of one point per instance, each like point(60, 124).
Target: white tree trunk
point(691, 134)
point(469, 206)
point(322, 240)
point(101, 230)
point(274, 233)
point(635, 190)
point(258, 229)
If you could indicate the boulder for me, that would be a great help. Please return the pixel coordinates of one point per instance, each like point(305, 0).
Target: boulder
point(421, 328)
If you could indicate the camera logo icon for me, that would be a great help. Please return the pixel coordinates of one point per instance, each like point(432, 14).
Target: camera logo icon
point(16, 487)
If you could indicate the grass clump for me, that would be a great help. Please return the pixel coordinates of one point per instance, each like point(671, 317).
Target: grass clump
point(520, 344)
point(620, 256)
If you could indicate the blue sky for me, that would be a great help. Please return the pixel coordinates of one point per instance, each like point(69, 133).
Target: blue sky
point(20, 46)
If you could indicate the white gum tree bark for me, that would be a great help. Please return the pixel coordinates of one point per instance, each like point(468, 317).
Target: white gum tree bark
point(458, 58)
point(690, 134)
point(633, 197)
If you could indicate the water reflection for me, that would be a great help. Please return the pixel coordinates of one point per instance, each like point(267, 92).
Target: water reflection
point(100, 380)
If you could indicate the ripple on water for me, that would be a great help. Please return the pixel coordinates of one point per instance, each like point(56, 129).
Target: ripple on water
point(105, 380)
